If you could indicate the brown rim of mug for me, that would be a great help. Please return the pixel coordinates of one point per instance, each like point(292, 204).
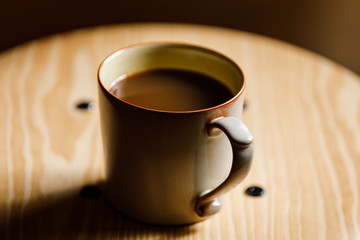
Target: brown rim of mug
point(180, 44)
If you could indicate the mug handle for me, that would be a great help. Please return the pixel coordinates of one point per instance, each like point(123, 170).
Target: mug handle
point(243, 148)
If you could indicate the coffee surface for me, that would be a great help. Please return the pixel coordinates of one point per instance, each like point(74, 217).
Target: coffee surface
point(171, 90)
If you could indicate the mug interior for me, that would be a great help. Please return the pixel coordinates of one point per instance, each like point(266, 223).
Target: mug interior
point(152, 56)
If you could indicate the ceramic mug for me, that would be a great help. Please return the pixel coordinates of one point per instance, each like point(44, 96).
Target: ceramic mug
point(172, 167)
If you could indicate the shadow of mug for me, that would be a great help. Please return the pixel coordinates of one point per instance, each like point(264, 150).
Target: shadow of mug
point(70, 215)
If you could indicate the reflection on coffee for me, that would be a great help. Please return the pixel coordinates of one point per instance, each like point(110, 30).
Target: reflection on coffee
point(171, 90)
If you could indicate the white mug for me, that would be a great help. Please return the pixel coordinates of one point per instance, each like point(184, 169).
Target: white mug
point(172, 167)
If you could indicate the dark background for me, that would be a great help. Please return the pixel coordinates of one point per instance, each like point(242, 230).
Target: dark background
point(328, 27)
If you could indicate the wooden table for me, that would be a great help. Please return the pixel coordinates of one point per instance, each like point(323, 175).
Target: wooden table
point(303, 109)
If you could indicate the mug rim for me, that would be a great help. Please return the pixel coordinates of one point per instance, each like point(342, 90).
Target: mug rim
point(179, 44)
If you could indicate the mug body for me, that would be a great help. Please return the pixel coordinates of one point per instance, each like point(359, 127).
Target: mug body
point(159, 162)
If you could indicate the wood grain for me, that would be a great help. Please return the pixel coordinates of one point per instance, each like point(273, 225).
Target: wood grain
point(303, 109)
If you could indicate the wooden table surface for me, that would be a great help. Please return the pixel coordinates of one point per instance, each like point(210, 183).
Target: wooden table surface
point(303, 110)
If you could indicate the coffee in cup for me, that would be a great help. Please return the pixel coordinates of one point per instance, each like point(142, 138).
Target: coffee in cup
point(172, 136)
